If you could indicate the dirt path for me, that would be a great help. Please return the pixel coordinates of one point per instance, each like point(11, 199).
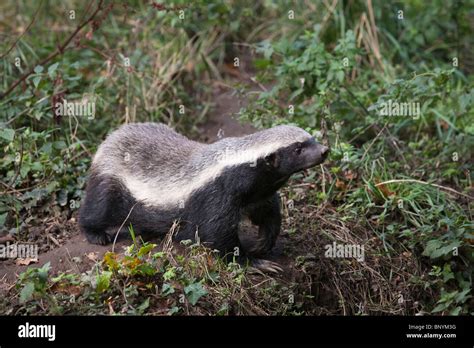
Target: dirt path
point(223, 120)
point(78, 255)
point(75, 254)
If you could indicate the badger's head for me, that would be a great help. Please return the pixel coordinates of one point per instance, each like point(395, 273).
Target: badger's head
point(298, 150)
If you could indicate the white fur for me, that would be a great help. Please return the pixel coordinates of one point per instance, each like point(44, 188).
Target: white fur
point(178, 186)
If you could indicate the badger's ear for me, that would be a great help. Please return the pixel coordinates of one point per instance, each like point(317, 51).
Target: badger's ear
point(273, 160)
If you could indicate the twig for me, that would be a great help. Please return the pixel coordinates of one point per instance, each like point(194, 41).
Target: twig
point(19, 165)
point(24, 32)
point(123, 223)
point(372, 143)
point(357, 100)
point(391, 140)
point(424, 183)
point(59, 50)
point(330, 11)
point(372, 33)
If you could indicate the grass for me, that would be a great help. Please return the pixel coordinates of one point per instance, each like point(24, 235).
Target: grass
point(401, 187)
point(153, 280)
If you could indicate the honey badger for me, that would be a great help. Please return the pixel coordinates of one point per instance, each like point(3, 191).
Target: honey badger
point(149, 176)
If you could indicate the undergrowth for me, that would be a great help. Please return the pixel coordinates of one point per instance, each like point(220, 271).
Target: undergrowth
point(400, 186)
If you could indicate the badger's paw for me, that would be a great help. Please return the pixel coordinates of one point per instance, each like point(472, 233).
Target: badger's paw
point(100, 239)
point(265, 266)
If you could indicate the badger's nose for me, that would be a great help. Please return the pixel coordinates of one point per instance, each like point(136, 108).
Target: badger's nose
point(324, 151)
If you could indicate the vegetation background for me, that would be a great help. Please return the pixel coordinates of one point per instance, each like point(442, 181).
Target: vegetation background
point(399, 186)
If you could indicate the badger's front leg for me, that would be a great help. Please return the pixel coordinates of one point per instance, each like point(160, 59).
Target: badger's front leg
point(266, 215)
point(214, 222)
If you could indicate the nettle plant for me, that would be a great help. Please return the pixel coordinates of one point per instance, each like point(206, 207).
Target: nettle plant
point(41, 161)
point(308, 79)
point(39, 170)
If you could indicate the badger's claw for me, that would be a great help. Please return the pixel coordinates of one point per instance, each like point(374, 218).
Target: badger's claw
point(265, 266)
point(100, 239)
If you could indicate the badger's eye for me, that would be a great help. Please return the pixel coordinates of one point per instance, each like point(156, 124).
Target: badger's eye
point(299, 148)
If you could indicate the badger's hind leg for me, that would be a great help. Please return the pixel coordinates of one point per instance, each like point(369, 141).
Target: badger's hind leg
point(103, 209)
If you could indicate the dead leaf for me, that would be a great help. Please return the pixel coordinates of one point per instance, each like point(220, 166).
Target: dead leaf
point(230, 69)
point(54, 240)
point(444, 124)
point(65, 288)
point(111, 307)
point(89, 35)
point(92, 256)
point(349, 175)
point(385, 191)
point(25, 262)
point(7, 238)
point(340, 184)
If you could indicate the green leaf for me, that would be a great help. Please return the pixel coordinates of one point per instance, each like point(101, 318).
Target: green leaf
point(43, 272)
point(145, 249)
point(469, 129)
point(3, 218)
point(463, 296)
point(146, 269)
point(36, 80)
point(158, 255)
point(24, 170)
point(103, 281)
point(439, 308)
point(62, 197)
point(27, 292)
point(435, 248)
point(132, 234)
point(167, 289)
point(455, 311)
point(296, 93)
point(266, 48)
point(224, 310)
point(38, 69)
point(141, 309)
point(59, 145)
point(261, 63)
point(46, 148)
point(447, 273)
point(52, 69)
point(194, 292)
point(169, 274)
point(340, 76)
point(173, 310)
point(36, 166)
point(7, 134)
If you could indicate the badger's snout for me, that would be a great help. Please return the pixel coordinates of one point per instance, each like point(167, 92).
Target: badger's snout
point(324, 152)
point(316, 154)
